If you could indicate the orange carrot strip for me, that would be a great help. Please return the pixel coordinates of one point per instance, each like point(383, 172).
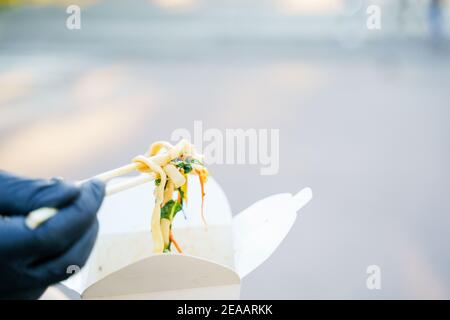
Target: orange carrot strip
point(202, 185)
point(186, 190)
point(175, 243)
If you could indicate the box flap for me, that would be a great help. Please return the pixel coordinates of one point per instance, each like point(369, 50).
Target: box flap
point(259, 229)
point(162, 273)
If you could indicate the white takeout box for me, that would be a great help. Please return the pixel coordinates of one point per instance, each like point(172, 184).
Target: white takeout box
point(215, 257)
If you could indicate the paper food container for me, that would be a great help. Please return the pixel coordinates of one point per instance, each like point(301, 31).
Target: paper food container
point(215, 258)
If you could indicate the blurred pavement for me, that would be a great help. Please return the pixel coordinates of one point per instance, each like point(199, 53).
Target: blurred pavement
point(364, 121)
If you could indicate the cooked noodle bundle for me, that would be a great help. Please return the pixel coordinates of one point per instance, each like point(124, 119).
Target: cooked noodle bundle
point(171, 169)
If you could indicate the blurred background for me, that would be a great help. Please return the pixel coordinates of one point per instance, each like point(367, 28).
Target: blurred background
point(363, 114)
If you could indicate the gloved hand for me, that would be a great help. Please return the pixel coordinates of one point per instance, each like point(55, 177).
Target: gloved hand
point(31, 260)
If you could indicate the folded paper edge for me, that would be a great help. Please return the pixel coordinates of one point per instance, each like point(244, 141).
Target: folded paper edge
point(299, 200)
point(302, 198)
point(233, 276)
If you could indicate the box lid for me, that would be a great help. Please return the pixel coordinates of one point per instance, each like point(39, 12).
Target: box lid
point(259, 229)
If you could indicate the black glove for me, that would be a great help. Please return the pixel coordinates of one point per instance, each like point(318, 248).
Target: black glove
point(31, 260)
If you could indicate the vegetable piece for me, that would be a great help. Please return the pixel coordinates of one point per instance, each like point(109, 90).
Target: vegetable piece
point(175, 243)
point(168, 212)
point(202, 185)
point(165, 230)
point(186, 163)
point(184, 190)
point(180, 196)
point(170, 209)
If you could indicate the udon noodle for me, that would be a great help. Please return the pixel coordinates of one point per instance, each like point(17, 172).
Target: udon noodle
point(171, 166)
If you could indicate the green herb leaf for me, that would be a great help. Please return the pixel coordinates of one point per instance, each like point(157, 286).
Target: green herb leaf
point(186, 164)
point(170, 209)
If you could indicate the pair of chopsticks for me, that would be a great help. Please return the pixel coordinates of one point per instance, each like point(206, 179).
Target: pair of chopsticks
point(124, 185)
point(38, 216)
